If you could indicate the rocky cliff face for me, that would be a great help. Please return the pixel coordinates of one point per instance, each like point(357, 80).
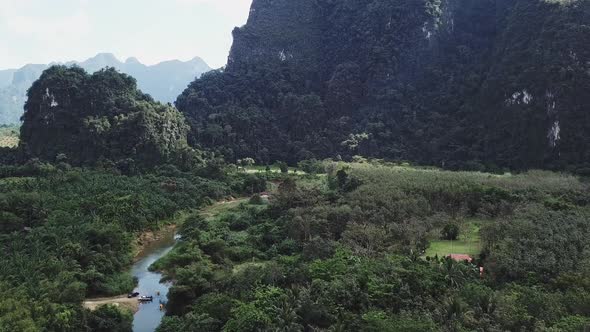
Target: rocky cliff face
point(274, 33)
point(450, 82)
point(535, 99)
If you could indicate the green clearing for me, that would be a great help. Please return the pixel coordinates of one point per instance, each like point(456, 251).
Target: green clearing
point(273, 169)
point(469, 242)
point(219, 208)
point(16, 180)
point(239, 268)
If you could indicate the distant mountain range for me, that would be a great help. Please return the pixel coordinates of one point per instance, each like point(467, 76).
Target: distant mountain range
point(163, 81)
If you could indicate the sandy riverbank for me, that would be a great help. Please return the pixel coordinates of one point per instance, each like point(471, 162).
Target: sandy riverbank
point(119, 301)
point(141, 245)
point(146, 239)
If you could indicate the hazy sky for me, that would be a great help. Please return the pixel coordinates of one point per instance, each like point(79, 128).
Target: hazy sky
point(42, 31)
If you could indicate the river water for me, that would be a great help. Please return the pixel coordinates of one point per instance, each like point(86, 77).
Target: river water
point(149, 316)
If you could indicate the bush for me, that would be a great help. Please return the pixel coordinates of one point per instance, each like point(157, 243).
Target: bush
point(571, 323)
point(256, 200)
point(312, 166)
point(283, 167)
point(108, 318)
point(9, 222)
point(557, 204)
point(241, 254)
point(254, 184)
point(238, 224)
point(450, 232)
point(118, 284)
point(216, 305)
point(318, 248)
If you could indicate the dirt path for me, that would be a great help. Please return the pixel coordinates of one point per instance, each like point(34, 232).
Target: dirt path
point(119, 301)
point(219, 207)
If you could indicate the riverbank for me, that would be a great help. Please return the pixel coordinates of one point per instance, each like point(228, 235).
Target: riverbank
point(118, 301)
point(146, 239)
point(143, 246)
point(148, 247)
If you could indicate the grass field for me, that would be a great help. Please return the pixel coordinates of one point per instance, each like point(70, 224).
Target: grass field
point(241, 267)
point(222, 207)
point(273, 169)
point(468, 243)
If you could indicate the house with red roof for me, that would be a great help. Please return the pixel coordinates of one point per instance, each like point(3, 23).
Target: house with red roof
point(461, 257)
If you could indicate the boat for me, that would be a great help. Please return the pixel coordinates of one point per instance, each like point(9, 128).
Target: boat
point(145, 299)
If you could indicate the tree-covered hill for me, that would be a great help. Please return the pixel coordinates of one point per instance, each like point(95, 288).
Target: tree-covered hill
point(163, 81)
point(72, 116)
point(456, 83)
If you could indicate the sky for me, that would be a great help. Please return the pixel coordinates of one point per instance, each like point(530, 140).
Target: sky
point(44, 31)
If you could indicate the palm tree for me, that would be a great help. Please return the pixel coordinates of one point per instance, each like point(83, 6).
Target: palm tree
point(455, 272)
point(287, 317)
point(454, 310)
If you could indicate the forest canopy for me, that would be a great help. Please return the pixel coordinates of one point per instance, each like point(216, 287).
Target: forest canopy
point(356, 93)
point(362, 247)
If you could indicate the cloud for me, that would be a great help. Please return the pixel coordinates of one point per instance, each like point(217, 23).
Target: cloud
point(225, 2)
point(19, 19)
point(74, 25)
point(41, 32)
point(234, 9)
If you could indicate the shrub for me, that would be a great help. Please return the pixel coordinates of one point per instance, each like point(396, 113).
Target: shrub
point(256, 200)
point(254, 184)
point(283, 167)
point(239, 224)
point(108, 318)
point(312, 166)
point(450, 232)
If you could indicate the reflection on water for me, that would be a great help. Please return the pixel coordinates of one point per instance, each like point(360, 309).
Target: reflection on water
point(149, 316)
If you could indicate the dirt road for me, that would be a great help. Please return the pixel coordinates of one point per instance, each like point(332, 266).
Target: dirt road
point(122, 301)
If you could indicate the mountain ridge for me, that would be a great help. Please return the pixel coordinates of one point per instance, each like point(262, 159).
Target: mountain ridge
point(164, 81)
point(461, 84)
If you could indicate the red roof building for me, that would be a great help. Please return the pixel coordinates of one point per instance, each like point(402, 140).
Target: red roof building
point(461, 257)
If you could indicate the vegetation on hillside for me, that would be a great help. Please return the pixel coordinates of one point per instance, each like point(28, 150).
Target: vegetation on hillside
point(346, 252)
point(101, 118)
point(333, 245)
point(476, 85)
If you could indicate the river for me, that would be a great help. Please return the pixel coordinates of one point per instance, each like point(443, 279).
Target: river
point(149, 315)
